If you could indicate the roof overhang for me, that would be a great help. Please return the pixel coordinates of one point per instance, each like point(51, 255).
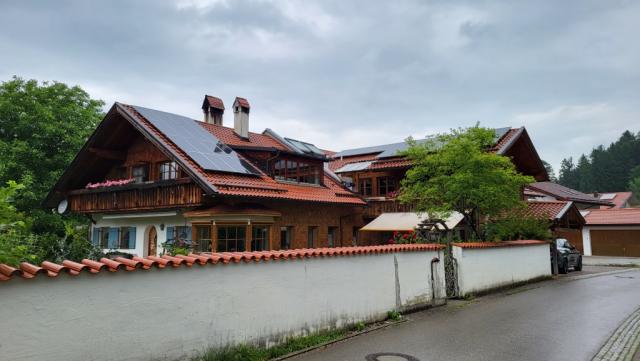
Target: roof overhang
point(406, 221)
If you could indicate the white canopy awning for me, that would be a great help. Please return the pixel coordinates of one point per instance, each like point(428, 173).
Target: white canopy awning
point(406, 221)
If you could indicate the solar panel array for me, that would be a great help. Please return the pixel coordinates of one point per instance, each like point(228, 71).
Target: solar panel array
point(200, 145)
point(304, 147)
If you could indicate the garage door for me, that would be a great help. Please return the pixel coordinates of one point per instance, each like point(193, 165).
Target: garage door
point(615, 243)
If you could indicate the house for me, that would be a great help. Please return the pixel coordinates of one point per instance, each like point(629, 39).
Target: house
point(612, 232)
point(618, 199)
point(375, 173)
point(565, 219)
point(146, 177)
point(553, 191)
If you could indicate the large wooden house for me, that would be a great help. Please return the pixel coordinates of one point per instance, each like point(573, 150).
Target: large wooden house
point(146, 177)
point(375, 173)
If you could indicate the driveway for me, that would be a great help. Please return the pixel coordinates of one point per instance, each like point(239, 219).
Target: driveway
point(566, 319)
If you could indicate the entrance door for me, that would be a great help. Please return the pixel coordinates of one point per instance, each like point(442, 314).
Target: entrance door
point(153, 242)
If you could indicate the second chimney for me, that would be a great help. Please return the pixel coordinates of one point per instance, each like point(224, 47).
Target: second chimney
point(241, 117)
point(213, 109)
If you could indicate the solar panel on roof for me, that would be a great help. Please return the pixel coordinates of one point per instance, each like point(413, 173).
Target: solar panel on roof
point(304, 147)
point(201, 146)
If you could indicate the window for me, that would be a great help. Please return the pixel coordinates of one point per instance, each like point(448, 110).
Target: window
point(168, 170)
point(296, 171)
point(332, 235)
point(203, 238)
point(386, 185)
point(364, 186)
point(231, 238)
point(180, 233)
point(140, 173)
point(285, 237)
point(260, 238)
point(312, 236)
point(114, 237)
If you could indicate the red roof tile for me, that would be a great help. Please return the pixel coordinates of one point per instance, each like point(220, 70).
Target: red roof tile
point(547, 209)
point(618, 200)
point(499, 244)
point(506, 139)
point(215, 102)
point(229, 137)
point(29, 271)
point(613, 216)
point(243, 102)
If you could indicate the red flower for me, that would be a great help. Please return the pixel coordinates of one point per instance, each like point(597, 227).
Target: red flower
point(405, 236)
point(391, 241)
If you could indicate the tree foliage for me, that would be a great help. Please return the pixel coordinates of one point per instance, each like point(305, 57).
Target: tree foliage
point(42, 127)
point(604, 169)
point(515, 225)
point(457, 172)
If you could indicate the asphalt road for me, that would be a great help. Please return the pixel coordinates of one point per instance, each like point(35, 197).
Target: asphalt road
point(556, 320)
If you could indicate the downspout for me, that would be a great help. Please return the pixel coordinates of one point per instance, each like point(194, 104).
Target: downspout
point(434, 260)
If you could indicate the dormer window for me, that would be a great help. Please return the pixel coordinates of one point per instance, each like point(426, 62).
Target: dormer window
point(296, 171)
point(140, 173)
point(168, 170)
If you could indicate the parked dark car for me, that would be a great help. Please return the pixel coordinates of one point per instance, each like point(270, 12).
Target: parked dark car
point(568, 256)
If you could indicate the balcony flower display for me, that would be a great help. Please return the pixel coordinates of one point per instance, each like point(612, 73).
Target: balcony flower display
point(406, 238)
point(109, 183)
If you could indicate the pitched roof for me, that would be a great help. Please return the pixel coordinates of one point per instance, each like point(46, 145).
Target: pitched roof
point(231, 138)
point(385, 156)
point(242, 102)
point(259, 185)
point(551, 210)
point(50, 269)
point(563, 193)
point(618, 198)
point(613, 216)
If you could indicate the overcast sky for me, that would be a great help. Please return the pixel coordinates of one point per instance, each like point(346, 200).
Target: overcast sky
point(344, 74)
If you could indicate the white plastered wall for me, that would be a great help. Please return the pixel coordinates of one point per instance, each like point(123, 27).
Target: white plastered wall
point(166, 314)
point(483, 269)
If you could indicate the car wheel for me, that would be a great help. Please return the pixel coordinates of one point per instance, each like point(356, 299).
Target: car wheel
point(564, 266)
point(578, 266)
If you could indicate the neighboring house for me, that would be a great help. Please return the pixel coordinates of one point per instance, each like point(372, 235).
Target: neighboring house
point(146, 177)
point(618, 199)
point(566, 220)
point(554, 191)
point(612, 232)
point(375, 173)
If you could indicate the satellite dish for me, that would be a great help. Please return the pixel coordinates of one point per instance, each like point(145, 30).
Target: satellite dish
point(62, 206)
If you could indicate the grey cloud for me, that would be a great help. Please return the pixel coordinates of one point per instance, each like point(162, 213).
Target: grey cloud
point(345, 74)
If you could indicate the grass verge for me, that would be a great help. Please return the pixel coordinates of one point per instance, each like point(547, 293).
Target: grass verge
point(255, 353)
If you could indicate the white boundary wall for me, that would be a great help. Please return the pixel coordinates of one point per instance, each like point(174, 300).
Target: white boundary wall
point(484, 269)
point(164, 314)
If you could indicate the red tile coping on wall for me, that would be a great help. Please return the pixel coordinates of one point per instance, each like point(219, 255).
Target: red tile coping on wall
point(28, 271)
point(528, 242)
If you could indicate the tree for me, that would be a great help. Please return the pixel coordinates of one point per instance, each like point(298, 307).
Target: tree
point(550, 171)
point(457, 172)
point(42, 127)
point(568, 175)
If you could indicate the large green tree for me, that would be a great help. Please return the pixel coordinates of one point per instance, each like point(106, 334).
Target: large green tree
point(458, 172)
point(42, 127)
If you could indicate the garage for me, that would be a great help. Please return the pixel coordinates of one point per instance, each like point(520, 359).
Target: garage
point(612, 232)
point(619, 243)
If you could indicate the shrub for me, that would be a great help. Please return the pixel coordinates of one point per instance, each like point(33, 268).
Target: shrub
point(518, 226)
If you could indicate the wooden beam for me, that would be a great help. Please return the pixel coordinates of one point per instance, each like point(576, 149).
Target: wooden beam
point(108, 153)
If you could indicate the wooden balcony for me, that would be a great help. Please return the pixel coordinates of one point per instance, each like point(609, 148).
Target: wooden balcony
point(377, 206)
point(156, 195)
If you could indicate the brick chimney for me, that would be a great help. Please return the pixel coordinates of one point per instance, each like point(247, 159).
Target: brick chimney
point(213, 109)
point(241, 117)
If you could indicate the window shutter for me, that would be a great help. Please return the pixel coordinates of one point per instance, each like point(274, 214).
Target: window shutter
point(95, 238)
point(170, 233)
point(113, 237)
point(132, 237)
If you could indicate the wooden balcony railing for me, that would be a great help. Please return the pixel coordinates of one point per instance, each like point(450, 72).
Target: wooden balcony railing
point(377, 207)
point(157, 195)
